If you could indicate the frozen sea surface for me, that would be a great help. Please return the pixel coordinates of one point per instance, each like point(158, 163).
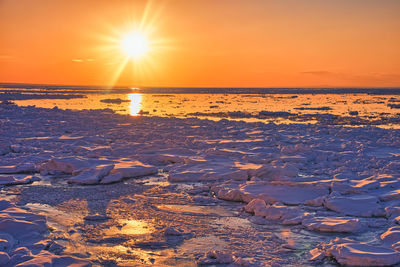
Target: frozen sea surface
point(95, 187)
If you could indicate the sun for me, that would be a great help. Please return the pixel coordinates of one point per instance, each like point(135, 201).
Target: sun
point(135, 45)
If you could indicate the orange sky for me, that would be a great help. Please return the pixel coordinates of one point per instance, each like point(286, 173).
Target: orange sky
point(297, 43)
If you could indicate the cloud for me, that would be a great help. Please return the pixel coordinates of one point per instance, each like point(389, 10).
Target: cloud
point(318, 72)
point(82, 60)
point(4, 57)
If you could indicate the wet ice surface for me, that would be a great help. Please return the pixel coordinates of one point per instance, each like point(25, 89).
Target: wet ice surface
point(188, 191)
point(131, 222)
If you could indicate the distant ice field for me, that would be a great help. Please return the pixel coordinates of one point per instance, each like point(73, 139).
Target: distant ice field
point(337, 106)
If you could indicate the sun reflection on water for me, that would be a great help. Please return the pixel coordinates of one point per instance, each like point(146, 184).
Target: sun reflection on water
point(129, 227)
point(136, 104)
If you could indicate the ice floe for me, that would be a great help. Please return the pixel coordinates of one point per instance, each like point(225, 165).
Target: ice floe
point(348, 252)
point(287, 193)
point(91, 176)
point(358, 205)
point(23, 240)
point(333, 224)
point(114, 100)
point(14, 180)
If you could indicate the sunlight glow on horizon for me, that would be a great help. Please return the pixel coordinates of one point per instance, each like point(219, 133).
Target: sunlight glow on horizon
point(296, 43)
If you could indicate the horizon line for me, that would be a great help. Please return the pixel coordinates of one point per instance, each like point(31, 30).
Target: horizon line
point(203, 87)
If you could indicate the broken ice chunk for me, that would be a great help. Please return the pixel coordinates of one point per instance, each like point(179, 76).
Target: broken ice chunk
point(358, 205)
point(333, 224)
point(128, 170)
point(92, 175)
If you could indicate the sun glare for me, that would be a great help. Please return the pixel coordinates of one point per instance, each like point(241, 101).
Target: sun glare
point(136, 104)
point(133, 48)
point(135, 45)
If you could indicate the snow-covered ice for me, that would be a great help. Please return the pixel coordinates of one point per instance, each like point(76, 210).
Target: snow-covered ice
point(353, 253)
point(289, 188)
point(23, 240)
point(333, 224)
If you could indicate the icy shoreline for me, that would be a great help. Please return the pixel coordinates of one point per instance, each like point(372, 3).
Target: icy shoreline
point(312, 179)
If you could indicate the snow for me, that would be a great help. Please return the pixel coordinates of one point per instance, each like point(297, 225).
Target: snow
point(317, 179)
point(255, 206)
point(21, 168)
point(14, 180)
point(392, 195)
point(352, 253)
point(291, 194)
point(205, 172)
point(271, 192)
point(358, 205)
point(68, 165)
point(23, 235)
point(45, 258)
point(333, 224)
point(391, 236)
point(134, 169)
point(91, 176)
